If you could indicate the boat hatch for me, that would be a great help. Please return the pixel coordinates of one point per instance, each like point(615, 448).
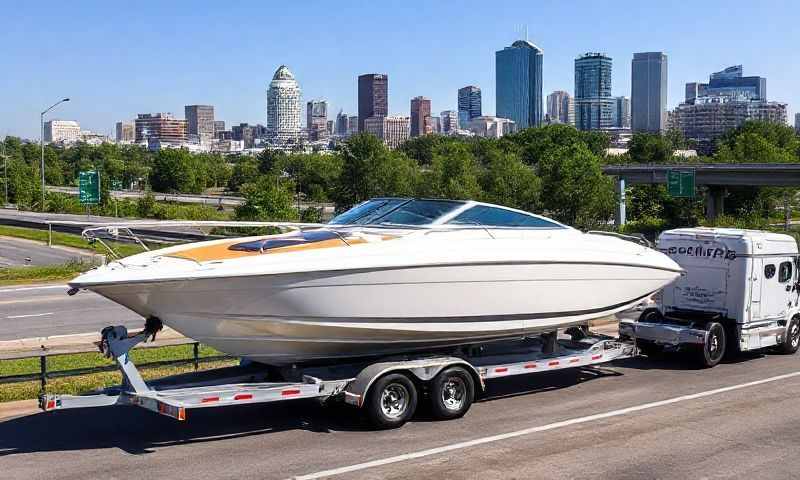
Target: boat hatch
point(265, 244)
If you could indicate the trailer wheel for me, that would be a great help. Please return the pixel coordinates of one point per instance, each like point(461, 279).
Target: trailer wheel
point(792, 341)
point(651, 314)
point(392, 401)
point(452, 393)
point(713, 349)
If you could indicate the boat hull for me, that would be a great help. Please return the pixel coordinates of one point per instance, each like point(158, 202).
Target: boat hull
point(299, 317)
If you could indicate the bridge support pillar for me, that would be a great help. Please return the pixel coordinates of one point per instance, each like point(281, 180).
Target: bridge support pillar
point(619, 214)
point(715, 202)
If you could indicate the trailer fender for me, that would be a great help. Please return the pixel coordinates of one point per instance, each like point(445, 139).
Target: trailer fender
point(423, 370)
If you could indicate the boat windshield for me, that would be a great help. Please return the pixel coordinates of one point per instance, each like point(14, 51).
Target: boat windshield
point(396, 211)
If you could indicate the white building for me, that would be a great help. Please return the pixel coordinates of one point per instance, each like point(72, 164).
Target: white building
point(392, 130)
point(449, 121)
point(62, 131)
point(92, 138)
point(491, 127)
point(283, 108)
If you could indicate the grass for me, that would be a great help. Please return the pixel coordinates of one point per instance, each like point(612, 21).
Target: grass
point(50, 273)
point(44, 273)
point(84, 383)
point(69, 240)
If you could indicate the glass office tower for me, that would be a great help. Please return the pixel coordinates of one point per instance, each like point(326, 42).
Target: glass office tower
point(518, 75)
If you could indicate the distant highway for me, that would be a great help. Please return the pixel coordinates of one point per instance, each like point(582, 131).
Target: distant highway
point(226, 201)
point(15, 251)
point(46, 310)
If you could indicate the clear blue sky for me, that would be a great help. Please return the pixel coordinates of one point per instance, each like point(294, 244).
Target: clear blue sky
point(118, 59)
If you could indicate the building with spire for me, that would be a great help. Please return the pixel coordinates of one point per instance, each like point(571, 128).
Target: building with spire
point(283, 107)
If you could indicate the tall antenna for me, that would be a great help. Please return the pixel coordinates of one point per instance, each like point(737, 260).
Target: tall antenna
point(526, 32)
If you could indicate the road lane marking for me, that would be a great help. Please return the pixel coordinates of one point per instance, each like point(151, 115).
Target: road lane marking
point(30, 315)
point(25, 289)
point(542, 428)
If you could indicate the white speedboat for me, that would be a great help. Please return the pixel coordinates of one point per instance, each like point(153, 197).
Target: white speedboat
point(390, 275)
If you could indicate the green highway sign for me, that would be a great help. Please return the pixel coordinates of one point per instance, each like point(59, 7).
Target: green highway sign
point(89, 187)
point(680, 183)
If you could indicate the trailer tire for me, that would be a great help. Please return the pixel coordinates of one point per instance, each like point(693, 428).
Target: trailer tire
point(452, 393)
point(713, 349)
point(792, 340)
point(651, 314)
point(392, 401)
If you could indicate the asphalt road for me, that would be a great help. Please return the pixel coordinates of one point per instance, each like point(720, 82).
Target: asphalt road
point(44, 311)
point(598, 423)
point(24, 252)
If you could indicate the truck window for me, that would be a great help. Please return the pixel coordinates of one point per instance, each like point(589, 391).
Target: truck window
point(769, 271)
point(785, 273)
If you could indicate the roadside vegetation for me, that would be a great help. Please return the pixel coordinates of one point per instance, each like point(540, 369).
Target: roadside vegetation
point(93, 381)
point(19, 275)
point(554, 170)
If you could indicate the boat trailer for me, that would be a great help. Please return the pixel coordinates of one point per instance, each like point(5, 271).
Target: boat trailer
point(388, 389)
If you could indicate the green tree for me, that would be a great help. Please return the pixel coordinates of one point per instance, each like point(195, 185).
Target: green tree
point(508, 181)
point(649, 148)
point(244, 171)
point(454, 174)
point(574, 189)
point(268, 198)
point(177, 171)
point(369, 170)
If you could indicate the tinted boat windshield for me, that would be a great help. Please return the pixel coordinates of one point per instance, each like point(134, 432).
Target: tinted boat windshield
point(396, 211)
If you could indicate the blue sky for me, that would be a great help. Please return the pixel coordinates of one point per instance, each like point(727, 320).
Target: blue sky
point(119, 59)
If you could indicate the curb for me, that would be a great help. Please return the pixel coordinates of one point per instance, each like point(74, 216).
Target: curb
point(18, 408)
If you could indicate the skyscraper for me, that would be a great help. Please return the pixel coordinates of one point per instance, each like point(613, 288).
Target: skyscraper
point(373, 97)
point(341, 124)
point(593, 102)
point(317, 119)
point(729, 83)
point(449, 121)
point(199, 121)
point(648, 91)
point(219, 126)
point(621, 113)
point(283, 107)
point(560, 107)
point(469, 104)
point(797, 123)
point(518, 75)
point(352, 125)
point(420, 116)
point(126, 132)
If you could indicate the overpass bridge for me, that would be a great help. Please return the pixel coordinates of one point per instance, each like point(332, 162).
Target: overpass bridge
point(715, 176)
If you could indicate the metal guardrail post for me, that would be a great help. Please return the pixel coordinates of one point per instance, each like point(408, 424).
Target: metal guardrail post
point(49, 234)
point(43, 372)
point(196, 350)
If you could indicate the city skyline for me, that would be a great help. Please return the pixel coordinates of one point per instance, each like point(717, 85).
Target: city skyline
point(95, 78)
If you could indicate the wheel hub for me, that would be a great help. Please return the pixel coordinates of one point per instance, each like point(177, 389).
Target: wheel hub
point(454, 392)
point(394, 400)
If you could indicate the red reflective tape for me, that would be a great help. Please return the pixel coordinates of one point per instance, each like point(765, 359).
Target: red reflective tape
point(553, 363)
point(294, 391)
point(51, 404)
point(597, 357)
point(181, 414)
point(500, 370)
point(243, 396)
point(574, 360)
point(210, 399)
point(530, 365)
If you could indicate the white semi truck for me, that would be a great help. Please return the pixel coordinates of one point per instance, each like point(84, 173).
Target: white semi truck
point(739, 293)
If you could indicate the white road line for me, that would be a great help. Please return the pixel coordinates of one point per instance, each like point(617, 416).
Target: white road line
point(31, 315)
point(542, 428)
point(42, 287)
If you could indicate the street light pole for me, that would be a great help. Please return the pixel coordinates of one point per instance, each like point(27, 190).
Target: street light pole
point(41, 141)
point(5, 171)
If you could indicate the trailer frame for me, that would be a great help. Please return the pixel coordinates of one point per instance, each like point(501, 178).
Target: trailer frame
point(353, 383)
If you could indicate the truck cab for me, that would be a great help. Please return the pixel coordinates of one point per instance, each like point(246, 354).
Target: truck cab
point(739, 293)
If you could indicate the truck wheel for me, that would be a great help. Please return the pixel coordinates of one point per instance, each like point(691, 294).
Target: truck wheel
point(452, 393)
point(713, 349)
point(792, 340)
point(392, 401)
point(651, 314)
